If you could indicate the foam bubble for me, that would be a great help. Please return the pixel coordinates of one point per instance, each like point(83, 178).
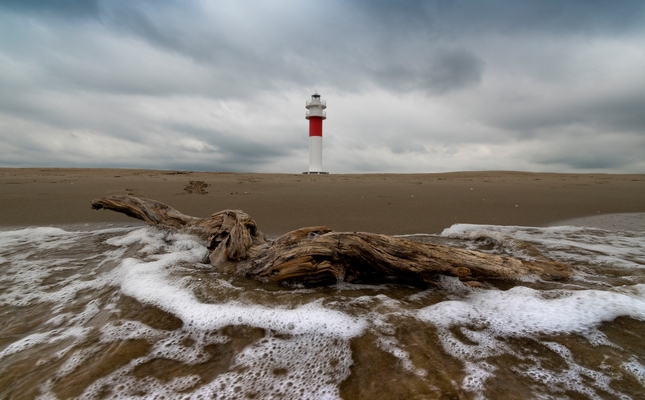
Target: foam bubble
point(40, 265)
point(54, 336)
point(502, 242)
point(390, 345)
point(305, 352)
point(300, 341)
point(584, 245)
point(522, 310)
point(476, 375)
point(149, 282)
point(485, 318)
point(304, 366)
point(573, 377)
point(45, 235)
point(636, 369)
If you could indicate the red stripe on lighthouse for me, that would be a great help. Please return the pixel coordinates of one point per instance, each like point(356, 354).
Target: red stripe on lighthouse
point(315, 126)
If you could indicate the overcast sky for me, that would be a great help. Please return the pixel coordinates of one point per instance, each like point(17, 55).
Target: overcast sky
point(411, 86)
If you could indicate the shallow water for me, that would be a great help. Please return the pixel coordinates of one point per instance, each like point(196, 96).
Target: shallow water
point(135, 312)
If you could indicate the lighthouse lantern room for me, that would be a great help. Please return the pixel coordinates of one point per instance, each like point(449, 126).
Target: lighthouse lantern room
point(315, 114)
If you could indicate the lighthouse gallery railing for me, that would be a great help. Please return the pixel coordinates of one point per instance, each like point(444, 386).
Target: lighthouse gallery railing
point(322, 102)
point(309, 114)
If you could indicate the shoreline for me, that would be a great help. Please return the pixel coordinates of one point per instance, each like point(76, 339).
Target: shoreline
point(617, 222)
point(379, 203)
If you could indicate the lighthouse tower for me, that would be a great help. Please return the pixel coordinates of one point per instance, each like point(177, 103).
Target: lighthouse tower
point(315, 114)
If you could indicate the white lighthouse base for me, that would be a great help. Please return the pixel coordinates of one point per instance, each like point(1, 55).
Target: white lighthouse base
point(315, 156)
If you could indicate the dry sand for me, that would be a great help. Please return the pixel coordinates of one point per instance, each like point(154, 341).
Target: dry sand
point(383, 203)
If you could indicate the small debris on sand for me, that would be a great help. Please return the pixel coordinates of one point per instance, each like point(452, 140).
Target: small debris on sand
point(196, 187)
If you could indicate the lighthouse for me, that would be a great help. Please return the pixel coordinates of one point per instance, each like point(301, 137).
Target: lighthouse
point(315, 114)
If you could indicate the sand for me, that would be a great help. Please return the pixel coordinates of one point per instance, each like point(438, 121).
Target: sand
point(382, 203)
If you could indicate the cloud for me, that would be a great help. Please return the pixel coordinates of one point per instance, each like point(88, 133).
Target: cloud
point(412, 86)
point(60, 8)
point(507, 17)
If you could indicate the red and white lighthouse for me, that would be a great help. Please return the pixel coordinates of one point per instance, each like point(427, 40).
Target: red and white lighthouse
point(315, 114)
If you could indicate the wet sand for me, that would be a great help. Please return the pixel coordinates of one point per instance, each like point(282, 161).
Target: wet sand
point(383, 203)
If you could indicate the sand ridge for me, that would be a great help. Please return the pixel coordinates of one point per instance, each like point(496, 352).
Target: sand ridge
point(382, 203)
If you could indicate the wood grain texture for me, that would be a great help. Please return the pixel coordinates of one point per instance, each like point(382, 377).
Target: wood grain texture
point(315, 256)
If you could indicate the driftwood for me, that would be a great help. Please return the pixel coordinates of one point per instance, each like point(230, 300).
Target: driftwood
point(319, 256)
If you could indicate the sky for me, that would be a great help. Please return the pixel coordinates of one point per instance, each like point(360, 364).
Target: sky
point(410, 86)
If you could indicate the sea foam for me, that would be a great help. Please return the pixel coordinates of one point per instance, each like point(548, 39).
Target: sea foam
point(149, 282)
point(88, 295)
point(521, 310)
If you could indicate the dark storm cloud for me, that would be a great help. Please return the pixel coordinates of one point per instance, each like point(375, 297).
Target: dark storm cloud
point(581, 152)
point(409, 45)
point(243, 150)
point(63, 8)
point(454, 69)
point(440, 16)
point(626, 113)
point(507, 16)
point(345, 50)
point(434, 84)
point(443, 71)
point(618, 112)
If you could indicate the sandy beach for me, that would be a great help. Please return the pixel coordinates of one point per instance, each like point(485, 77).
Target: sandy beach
point(383, 203)
point(105, 307)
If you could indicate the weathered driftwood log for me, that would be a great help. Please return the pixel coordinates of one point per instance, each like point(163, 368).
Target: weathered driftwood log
point(319, 256)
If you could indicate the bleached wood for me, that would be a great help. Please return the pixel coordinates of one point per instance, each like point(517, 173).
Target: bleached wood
point(316, 256)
